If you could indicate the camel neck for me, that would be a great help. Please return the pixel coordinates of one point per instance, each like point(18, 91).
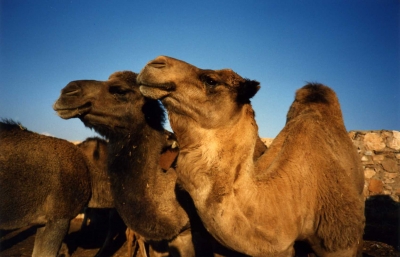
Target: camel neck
point(132, 144)
point(214, 162)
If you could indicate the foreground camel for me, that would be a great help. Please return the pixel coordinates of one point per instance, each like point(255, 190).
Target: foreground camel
point(142, 180)
point(307, 186)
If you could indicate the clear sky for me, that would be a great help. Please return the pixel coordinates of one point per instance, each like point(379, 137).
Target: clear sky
point(352, 46)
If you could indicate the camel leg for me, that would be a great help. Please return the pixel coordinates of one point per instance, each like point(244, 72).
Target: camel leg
point(353, 251)
point(49, 238)
point(182, 245)
point(340, 253)
point(84, 224)
point(130, 236)
point(288, 253)
point(159, 249)
point(112, 231)
point(142, 247)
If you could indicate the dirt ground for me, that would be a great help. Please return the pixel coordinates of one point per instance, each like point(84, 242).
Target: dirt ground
point(381, 235)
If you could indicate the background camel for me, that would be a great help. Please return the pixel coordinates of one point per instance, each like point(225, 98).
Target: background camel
point(48, 181)
point(307, 186)
point(142, 182)
point(99, 212)
point(43, 181)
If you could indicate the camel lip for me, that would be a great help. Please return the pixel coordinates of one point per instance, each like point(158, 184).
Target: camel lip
point(154, 92)
point(72, 112)
point(166, 86)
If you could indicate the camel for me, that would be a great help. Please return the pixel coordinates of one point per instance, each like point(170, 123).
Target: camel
point(307, 186)
point(48, 181)
point(141, 154)
point(43, 181)
point(101, 200)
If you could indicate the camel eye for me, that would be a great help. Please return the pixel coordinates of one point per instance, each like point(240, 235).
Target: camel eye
point(117, 90)
point(210, 82)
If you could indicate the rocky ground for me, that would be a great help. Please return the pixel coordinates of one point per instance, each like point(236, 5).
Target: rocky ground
point(381, 235)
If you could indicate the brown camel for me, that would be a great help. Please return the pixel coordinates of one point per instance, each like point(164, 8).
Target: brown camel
point(306, 187)
point(100, 212)
point(143, 182)
point(43, 181)
point(48, 181)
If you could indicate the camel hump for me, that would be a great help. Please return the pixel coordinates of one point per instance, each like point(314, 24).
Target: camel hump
point(315, 93)
point(316, 98)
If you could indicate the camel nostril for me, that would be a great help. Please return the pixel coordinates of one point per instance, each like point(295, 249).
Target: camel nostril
point(160, 62)
point(157, 64)
point(71, 89)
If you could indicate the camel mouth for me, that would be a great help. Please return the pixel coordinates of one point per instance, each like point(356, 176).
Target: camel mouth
point(75, 112)
point(156, 92)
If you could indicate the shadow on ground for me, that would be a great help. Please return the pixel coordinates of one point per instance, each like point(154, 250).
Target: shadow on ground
point(382, 235)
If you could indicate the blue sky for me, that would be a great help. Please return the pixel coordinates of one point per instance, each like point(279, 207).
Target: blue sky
point(352, 46)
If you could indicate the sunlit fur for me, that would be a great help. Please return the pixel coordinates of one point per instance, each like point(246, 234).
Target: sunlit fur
point(307, 186)
point(145, 195)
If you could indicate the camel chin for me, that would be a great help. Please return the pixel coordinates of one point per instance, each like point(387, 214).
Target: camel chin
point(69, 114)
point(153, 92)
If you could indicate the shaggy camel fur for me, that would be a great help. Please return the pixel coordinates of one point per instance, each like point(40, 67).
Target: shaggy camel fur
point(307, 186)
point(142, 182)
point(101, 200)
point(43, 181)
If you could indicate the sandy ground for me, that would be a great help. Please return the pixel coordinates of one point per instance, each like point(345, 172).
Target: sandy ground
point(381, 235)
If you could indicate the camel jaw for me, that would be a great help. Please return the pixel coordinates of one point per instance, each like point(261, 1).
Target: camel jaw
point(69, 113)
point(154, 92)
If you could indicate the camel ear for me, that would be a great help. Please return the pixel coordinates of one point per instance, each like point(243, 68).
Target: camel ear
point(247, 90)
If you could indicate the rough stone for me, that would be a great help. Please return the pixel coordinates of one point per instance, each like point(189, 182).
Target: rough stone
point(367, 160)
point(373, 141)
point(375, 186)
point(390, 165)
point(388, 181)
point(369, 173)
point(394, 142)
point(352, 135)
point(378, 158)
point(369, 153)
point(391, 175)
point(364, 158)
point(388, 187)
point(267, 141)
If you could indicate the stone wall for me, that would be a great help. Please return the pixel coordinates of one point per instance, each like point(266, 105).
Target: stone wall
point(380, 156)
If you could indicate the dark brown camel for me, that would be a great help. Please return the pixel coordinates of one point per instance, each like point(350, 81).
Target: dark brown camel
point(68, 172)
point(100, 209)
point(43, 181)
point(142, 182)
point(307, 186)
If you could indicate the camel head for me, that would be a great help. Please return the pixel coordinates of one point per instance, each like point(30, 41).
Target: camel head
point(109, 107)
point(212, 98)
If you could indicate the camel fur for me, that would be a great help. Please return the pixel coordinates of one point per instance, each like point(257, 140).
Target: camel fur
point(140, 165)
point(307, 186)
point(43, 181)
